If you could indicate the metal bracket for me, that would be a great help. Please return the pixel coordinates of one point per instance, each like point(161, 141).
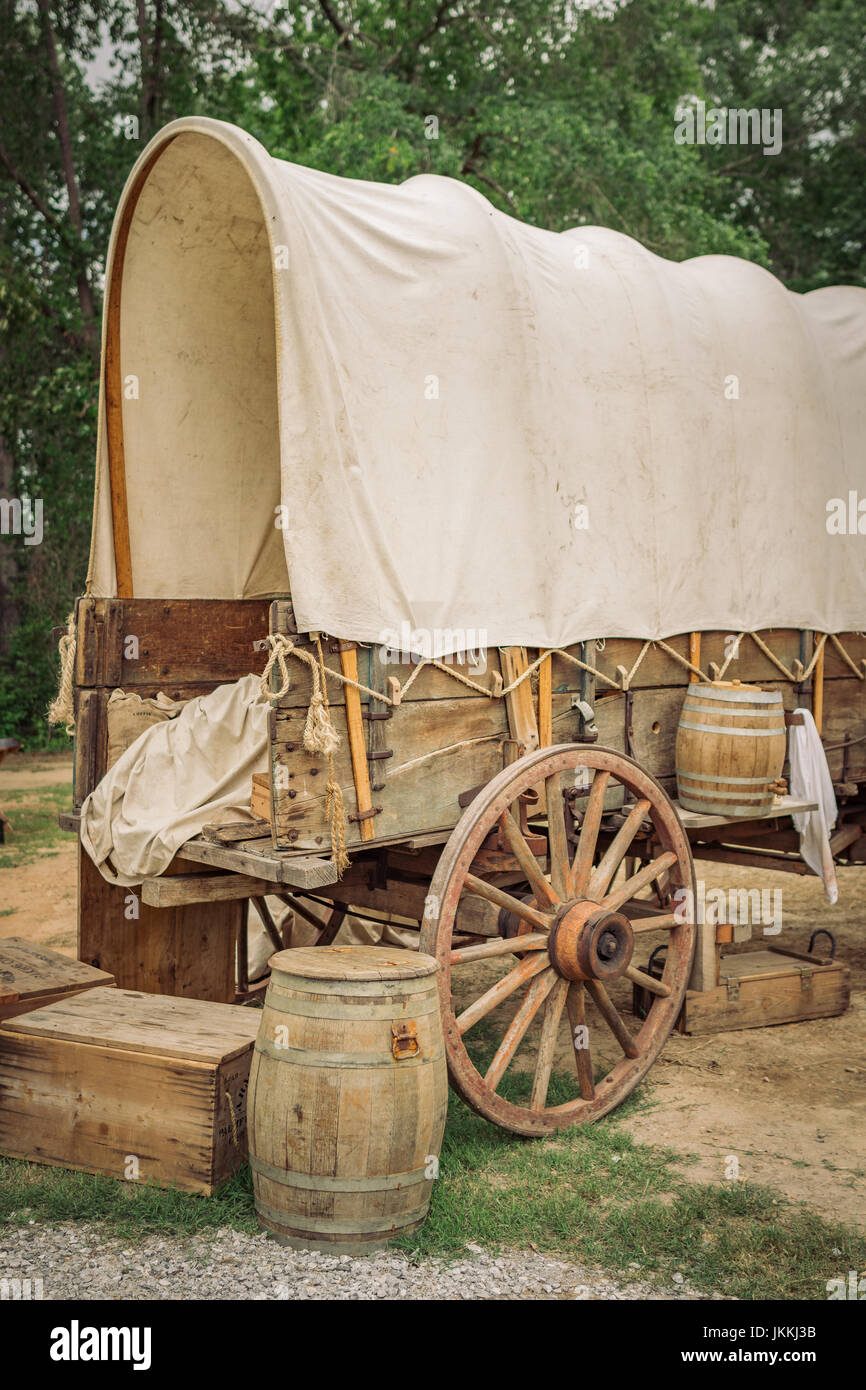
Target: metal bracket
point(365, 815)
point(404, 1039)
point(588, 728)
point(807, 975)
point(733, 986)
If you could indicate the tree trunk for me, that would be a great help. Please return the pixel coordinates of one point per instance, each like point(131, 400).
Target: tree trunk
point(8, 563)
point(85, 292)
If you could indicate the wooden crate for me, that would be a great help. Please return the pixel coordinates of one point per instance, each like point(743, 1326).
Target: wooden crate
point(759, 988)
point(128, 1084)
point(32, 975)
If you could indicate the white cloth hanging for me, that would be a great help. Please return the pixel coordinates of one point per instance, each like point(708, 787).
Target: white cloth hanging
point(811, 781)
point(177, 776)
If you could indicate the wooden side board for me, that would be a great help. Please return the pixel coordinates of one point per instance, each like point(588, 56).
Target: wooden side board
point(185, 950)
point(148, 645)
point(184, 647)
point(440, 750)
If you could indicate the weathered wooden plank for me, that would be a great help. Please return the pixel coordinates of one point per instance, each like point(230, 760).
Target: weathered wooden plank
point(835, 666)
point(519, 703)
point(181, 889)
point(441, 749)
point(184, 951)
point(301, 871)
point(845, 714)
point(89, 746)
point(156, 642)
point(654, 718)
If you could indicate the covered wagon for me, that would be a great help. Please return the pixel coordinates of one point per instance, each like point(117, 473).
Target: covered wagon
point(483, 503)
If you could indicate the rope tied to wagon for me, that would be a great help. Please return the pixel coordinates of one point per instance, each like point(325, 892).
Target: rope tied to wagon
point(62, 707)
point(320, 736)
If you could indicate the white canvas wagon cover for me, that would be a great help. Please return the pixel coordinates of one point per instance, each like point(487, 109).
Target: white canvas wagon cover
point(417, 413)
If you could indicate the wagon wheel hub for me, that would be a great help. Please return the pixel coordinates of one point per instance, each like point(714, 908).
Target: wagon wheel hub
point(589, 942)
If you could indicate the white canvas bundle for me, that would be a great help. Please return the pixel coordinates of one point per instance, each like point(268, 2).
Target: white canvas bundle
point(417, 413)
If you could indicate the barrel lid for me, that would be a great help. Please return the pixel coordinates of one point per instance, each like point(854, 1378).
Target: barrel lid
point(733, 690)
point(353, 963)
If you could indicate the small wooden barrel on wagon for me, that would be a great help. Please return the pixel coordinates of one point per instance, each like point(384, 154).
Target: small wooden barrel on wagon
point(730, 749)
point(348, 1094)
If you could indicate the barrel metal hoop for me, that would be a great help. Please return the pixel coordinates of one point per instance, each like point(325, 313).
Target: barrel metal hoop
point(775, 713)
point(736, 812)
point(370, 1061)
point(312, 1183)
point(734, 732)
point(362, 989)
point(359, 1013)
point(711, 794)
point(291, 1223)
point(725, 777)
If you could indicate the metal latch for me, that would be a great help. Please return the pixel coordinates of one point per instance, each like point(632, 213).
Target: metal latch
point(404, 1039)
point(588, 726)
point(807, 975)
point(733, 984)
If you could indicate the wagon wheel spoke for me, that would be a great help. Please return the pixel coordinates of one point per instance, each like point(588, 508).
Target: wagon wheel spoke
point(633, 885)
point(514, 1034)
point(501, 990)
point(547, 1044)
point(616, 851)
point(527, 861)
point(661, 922)
point(576, 1006)
point(603, 1003)
point(511, 904)
point(648, 982)
point(581, 869)
point(560, 868)
point(499, 946)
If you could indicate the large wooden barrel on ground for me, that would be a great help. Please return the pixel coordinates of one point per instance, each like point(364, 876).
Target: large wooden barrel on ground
point(348, 1094)
point(730, 749)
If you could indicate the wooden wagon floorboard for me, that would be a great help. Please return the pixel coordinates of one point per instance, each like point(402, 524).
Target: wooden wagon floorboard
point(248, 857)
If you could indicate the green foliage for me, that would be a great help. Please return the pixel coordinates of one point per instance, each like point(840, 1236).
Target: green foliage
point(559, 114)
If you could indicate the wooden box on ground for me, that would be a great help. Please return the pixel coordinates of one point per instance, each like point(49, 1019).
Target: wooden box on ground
point(759, 988)
point(131, 1085)
point(32, 975)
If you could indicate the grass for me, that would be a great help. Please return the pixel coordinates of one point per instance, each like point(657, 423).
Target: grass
point(590, 1194)
point(33, 817)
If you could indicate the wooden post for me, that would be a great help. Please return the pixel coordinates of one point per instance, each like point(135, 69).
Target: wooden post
point(519, 704)
point(818, 688)
point(545, 703)
point(357, 742)
point(694, 655)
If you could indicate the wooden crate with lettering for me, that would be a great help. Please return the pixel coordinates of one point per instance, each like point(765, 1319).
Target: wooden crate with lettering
point(33, 975)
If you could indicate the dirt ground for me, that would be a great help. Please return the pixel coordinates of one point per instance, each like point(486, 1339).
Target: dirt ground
point(789, 1102)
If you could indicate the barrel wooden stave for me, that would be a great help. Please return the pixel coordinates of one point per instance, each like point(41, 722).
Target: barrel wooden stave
point(730, 747)
point(341, 1133)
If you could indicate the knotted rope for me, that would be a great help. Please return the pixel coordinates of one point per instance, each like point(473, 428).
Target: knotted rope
point(320, 736)
point(62, 707)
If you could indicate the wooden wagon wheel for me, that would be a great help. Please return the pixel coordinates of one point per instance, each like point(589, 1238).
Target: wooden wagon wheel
point(574, 939)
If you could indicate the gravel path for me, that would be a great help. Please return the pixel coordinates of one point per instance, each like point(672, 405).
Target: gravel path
point(82, 1261)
